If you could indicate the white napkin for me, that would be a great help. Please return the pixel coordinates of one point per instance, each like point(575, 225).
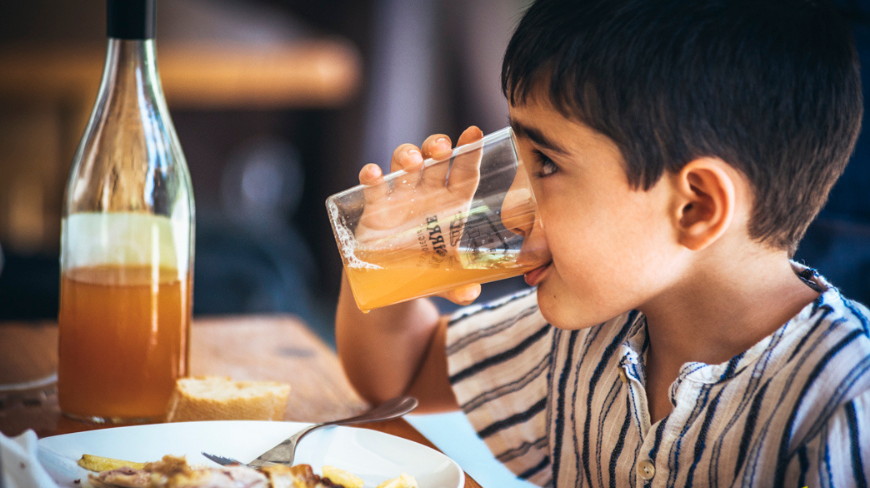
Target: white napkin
point(19, 465)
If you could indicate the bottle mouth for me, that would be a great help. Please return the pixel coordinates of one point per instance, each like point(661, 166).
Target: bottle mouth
point(131, 19)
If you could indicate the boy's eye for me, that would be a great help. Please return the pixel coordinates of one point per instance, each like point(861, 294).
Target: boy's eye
point(546, 166)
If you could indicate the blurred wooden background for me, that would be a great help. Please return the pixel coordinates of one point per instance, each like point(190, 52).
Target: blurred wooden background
point(277, 104)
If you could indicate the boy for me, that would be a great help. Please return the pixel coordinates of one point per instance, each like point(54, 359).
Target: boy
point(677, 149)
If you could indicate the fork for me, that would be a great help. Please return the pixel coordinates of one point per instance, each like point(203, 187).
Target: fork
point(285, 451)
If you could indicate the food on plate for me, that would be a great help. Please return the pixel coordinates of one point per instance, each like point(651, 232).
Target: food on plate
point(403, 481)
point(342, 477)
point(349, 480)
point(100, 463)
point(174, 472)
point(222, 398)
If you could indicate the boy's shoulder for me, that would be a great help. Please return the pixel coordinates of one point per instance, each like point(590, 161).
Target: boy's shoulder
point(816, 368)
point(830, 323)
point(835, 320)
point(824, 351)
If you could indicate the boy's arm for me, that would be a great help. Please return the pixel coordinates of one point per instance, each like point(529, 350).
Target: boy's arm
point(394, 350)
point(381, 350)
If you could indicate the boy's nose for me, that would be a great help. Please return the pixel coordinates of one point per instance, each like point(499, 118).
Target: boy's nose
point(518, 207)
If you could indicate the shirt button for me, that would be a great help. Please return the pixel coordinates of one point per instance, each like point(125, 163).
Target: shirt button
point(623, 376)
point(646, 469)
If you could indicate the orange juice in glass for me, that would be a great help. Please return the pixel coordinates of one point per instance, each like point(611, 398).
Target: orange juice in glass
point(396, 278)
point(443, 226)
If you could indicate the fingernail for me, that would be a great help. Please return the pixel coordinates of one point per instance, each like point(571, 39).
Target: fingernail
point(415, 154)
point(441, 141)
point(370, 171)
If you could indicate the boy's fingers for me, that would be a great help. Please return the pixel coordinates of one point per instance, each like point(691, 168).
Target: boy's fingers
point(408, 158)
point(437, 147)
point(463, 295)
point(469, 135)
point(465, 172)
point(372, 176)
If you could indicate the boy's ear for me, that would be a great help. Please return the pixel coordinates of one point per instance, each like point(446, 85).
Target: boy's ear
point(705, 193)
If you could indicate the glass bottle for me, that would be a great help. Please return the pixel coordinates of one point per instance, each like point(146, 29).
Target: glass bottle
point(126, 240)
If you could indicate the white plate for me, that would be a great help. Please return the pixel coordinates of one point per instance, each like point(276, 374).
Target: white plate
point(371, 455)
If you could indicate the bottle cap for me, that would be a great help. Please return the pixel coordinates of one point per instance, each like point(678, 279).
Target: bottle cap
point(131, 19)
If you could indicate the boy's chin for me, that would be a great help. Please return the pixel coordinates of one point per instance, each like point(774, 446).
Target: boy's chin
point(560, 313)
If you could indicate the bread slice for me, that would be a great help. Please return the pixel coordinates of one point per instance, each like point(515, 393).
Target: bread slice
point(222, 398)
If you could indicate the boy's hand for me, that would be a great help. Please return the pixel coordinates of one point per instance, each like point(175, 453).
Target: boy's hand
point(463, 295)
point(407, 201)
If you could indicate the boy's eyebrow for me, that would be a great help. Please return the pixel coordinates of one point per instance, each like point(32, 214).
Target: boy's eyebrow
point(536, 136)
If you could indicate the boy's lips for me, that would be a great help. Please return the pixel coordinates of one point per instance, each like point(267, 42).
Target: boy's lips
point(535, 276)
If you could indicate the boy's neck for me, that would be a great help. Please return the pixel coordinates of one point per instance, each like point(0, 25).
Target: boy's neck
point(720, 311)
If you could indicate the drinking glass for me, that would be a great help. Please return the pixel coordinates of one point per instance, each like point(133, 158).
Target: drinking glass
point(452, 222)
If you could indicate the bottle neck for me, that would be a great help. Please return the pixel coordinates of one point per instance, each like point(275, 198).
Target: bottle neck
point(131, 82)
point(135, 59)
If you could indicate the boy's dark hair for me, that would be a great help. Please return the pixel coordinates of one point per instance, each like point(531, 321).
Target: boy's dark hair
point(770, 86)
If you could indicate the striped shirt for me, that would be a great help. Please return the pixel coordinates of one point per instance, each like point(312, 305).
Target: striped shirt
point(568, 407)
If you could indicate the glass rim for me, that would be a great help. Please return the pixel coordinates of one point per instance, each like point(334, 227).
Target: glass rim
point(457, 151)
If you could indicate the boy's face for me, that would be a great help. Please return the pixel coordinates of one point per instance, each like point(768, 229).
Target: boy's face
point(613, 247)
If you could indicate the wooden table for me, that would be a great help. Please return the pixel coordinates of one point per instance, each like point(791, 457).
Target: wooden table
point(279, 348)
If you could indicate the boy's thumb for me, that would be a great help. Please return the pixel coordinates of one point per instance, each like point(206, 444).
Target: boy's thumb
point(463, 295)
